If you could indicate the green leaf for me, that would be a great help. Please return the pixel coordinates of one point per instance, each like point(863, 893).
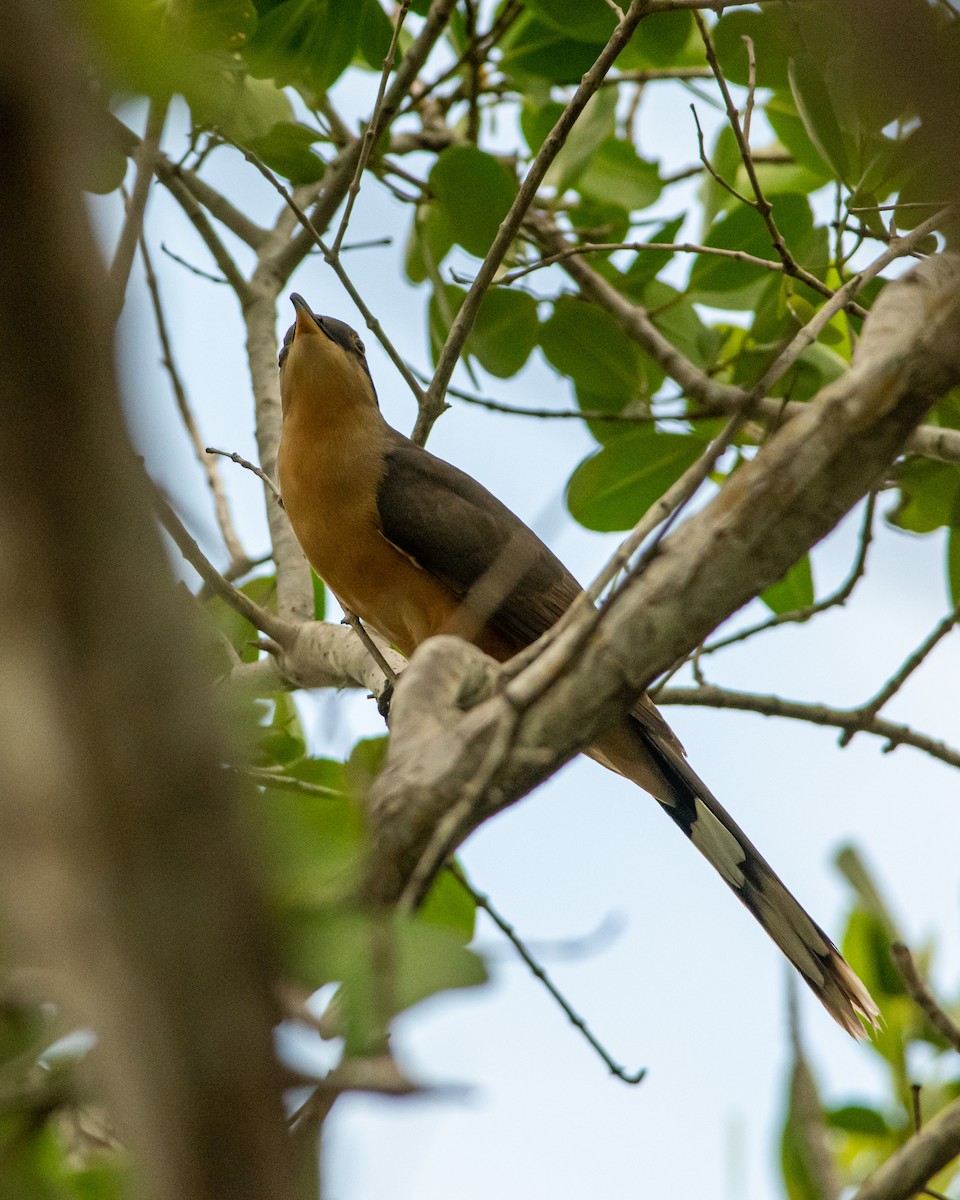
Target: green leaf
point(376, 33)
point(586, 344)
point(857, 1118)
point(506, 332)
point(953, 566)
point(319, 596)
point(220, 24)
point(449, 905)
point(675, 316)
point(238, 630)
point(616, 174)
point(282, 741)
point(364, 765)
point(929, 495)
point(245, 108)
point(585, 20)
point(306, 43)
point(770, 34)
point(596, 222)
point(794, 590)
point(475, 191)
point(444, 305)
point(595, 124)
point(659, 41)
point(719, 280)
point(286, 150)
point(311, 846)
point(647, 264)
point(790, 129)
point(430, 240)
point(385, 965)
point(534, 47)
point(536, 121)
point(815, 108)
point(613, 488)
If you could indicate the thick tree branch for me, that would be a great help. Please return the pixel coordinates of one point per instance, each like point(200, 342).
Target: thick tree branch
point(906, 1172)
point(802, 481)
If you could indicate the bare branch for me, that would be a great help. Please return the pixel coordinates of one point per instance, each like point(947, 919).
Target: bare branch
point(538, 972)
point(801, 615)
point(214, 482)
point(146, 160)
point(923, 997)
point(905, 1173)
point(911, 664)
point(374, 127)
point(261, 618)
point(893, 733)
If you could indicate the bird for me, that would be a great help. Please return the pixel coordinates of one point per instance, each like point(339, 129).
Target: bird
point(415, 547)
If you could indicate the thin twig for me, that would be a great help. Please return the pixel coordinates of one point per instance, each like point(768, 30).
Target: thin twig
point(741, 256)
point(760, 203)
point(194, 270)
point(751, 87)
point(221, 505)
point(264, 777)
point(923, 997)
point(198, 218)
point(891, 732)
point(267, 622)
point(249, 466)
point(373, 130)
point(146, 159)
point(800, 615)
point(910, 664)
point(710, 168)
point(350, 618)
point(432, 404)
point(652, 74)
point(538, 972)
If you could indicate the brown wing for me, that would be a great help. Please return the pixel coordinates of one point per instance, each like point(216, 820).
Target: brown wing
point(452, 527)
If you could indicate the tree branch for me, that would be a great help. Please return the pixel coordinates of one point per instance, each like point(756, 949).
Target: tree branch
point(929, 1151)
point(801, 482)
point(894, 734)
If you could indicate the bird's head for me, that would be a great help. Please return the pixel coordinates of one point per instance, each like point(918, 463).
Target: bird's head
point(322, 362)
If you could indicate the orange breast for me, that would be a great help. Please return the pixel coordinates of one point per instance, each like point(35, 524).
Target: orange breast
point(328, 482)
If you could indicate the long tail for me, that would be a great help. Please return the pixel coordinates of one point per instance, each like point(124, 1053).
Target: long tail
point(651, 756)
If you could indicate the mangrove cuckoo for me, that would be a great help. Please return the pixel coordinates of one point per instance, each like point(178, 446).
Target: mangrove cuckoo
point(415, 547)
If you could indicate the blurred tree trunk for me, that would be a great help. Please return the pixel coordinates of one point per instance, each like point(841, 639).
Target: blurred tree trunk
point(121, 870)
